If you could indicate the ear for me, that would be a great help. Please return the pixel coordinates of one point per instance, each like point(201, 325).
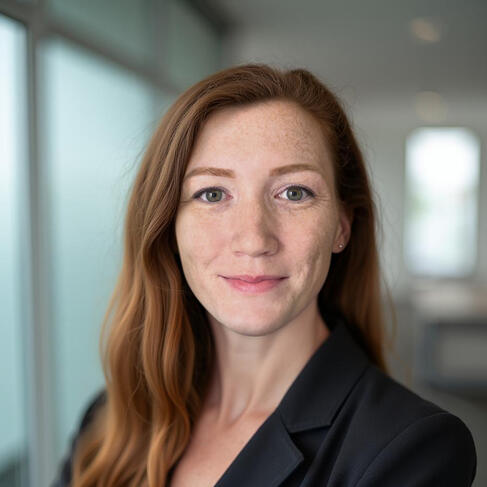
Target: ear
point(344, 228)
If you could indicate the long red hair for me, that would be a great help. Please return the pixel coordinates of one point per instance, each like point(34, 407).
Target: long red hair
point(156, 345)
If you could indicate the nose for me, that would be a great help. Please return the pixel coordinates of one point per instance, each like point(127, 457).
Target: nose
point(253, 229)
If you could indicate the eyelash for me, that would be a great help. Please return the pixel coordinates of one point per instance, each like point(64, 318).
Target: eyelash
point(197, 195)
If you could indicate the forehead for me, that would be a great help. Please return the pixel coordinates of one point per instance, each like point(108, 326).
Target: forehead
point(280, 130)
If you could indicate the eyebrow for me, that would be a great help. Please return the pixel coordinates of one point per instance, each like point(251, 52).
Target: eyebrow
point(277, 171)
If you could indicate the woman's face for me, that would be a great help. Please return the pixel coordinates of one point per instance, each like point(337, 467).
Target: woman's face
point(259, 213)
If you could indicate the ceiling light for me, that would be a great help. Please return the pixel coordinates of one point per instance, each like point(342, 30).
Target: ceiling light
point(426, 29)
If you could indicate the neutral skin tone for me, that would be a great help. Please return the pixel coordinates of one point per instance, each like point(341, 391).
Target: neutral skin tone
point(255, 223)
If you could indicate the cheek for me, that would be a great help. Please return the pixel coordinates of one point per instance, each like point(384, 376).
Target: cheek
point(197, 236)
point(313, 245)
point(315, 232)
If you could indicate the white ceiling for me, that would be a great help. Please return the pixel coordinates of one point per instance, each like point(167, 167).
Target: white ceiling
point(364, 48)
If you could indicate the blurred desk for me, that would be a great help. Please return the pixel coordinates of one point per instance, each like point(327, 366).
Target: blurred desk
point(452, 339)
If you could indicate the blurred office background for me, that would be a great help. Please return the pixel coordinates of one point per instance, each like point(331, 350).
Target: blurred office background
point(84, 83)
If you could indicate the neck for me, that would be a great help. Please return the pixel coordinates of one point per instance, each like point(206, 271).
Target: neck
point(251, 374)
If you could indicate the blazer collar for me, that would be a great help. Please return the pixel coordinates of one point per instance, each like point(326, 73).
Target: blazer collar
point(312, 401)
point(321, 387)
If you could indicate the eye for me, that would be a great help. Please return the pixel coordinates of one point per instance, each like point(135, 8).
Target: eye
point(210, 191)
point(297, 191)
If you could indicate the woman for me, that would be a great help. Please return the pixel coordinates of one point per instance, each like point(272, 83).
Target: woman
point(246, 345)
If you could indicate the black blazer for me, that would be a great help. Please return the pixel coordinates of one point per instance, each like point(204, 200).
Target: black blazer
point(344, 423)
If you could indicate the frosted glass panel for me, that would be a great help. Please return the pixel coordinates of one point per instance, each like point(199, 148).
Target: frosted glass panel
point(13, 139)
point(442, 172)
point(123, 25)
point(193, 46)
point(96, 119)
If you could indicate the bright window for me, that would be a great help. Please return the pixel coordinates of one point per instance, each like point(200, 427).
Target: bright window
point(442, 173)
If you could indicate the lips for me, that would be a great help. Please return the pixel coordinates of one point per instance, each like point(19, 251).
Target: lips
point(254, 279)
point(261, 284)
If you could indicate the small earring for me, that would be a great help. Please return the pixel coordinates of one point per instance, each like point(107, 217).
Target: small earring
point(340, 246)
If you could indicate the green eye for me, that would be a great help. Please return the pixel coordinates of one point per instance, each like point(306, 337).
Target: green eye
point(294, 190)
point(209, 191)
point(297, 191)
point(213, 193)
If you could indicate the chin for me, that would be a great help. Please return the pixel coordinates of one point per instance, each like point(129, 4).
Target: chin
point(252, 327)
point(252, 332)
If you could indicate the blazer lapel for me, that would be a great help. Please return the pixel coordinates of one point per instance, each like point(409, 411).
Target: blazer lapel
point(266, 460)
point(312, 401)
point(320, 389)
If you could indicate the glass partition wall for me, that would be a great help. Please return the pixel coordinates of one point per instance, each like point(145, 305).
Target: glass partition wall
point(83, 85)
point(13, 141)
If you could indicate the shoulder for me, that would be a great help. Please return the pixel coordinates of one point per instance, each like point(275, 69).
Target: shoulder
point(93, 404)
point(408, 437)
point(382, 394)
point(64, 473)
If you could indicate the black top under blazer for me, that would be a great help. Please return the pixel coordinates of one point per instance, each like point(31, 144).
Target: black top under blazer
point(344, 423)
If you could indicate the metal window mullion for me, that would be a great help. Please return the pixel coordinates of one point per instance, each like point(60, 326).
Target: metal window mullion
point(40, 406)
